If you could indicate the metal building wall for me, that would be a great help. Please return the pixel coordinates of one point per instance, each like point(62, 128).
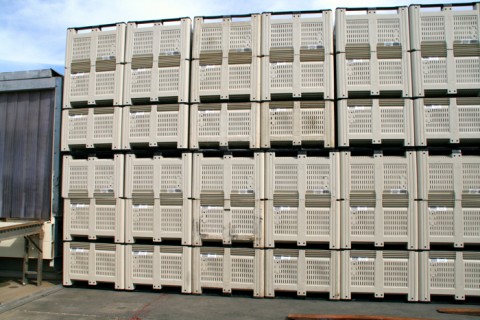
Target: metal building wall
point(27, 116)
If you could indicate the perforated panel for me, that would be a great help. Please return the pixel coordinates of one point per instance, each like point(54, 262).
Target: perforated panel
point(211, 38)
point(281, 122)
point(141, 80)
point(81, 48)
point(107, 46)
point(312, 121)
point(240, 37)
point(362, 176)
point(442, 273)
point(432, 28)
point(142, 42)
point(103, 126)
point(392, 120)
point(78, 261)
point(243, 270)
point(105, 217)
point(105, 83)
point(395, 176)
point(358, 72)
point(390, 72)
point(243, 220)
point(212, 268)
point(78, 176)
point(281, 75)
point(318, 272)
point(471, 222)
point(142, 220)
point(317, 221)
point(362, 272)
point(318, 177)
point(395, 222)
point(79, 216)
point(170, 40)
point(357, 31)
point(168, 80)
point(285, 270)
point(171, 177)
point(362, 221)
point(243, 177)
point(171, 218)
point(468, 70)
point(359, 119)
point(239, 76)
point(434, 70)
point(440, 176)
point(441, 222)
point(437, 119)
point(471, 176)
point(239, 122)
point(211, 177)
point(77, 127)
point(167, 123)
point(210, 77)
point(142, 265)
point(312, 34)
point(395, 273)
point(281, 35)
point(389, 30)
point(143, 176)
point(285, 221)
point(209, 123)
point(139, 123)
point(79, 84)
point(312, 74)
point(465, 27)
point(211, 220)
point(105, 263)
point(472, 274)
point(469, 119)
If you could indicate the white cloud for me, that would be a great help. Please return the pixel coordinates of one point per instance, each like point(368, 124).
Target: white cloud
point(34, 31)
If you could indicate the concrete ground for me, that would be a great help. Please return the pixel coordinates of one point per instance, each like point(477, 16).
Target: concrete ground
point(56, 302)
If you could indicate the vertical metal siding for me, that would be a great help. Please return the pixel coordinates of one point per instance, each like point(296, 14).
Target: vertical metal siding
point(26, 138)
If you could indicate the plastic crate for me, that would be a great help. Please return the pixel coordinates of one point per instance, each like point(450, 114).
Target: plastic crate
point(93, 177)
point(391, 179)
point(302, 271)
point(93, 85)
point(91, 128)
point(158, 177)
point(155, 125)
point(444, 179)
point(452, 26)
point(457, 224)
point(225, 124)
point(158, 266)
point(228, 221)
point(228, 269)
point(285, 78)
point(309, 123)
point(379, 223)
point(158, 40)
point(94, 218)
point(380, 273)
point(157, 82)
point(101, 45)
point(306, 33)
point(449, 273)
point(371, 29)
point(223, 79)
point(304, 223)
point(301, 177)
point(158, 220)
point(450, 120)
point(228, 178)
point(375, 121)
point(228, 36)
point(374, 74)
point(444, 74)
point(94, 262)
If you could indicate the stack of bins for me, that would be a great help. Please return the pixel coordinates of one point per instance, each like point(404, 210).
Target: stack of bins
point(301, 174)
point(445, 57)
point(92, 185)
point(157, 165)
point(228, 212)
point(378, 162)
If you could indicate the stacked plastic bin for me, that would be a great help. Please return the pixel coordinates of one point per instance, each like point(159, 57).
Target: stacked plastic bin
point(378, 162)
point(301, 169)
point(228, 170)
point(93, 168)
point(445, 57)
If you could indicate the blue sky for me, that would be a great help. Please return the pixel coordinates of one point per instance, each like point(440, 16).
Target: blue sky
point(33, 32)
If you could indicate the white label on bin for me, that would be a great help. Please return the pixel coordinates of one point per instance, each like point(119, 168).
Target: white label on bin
point(398, 191)
point(433, 106)
point(174, 190)
point(281, 63)
point(80, 205)
point(433, 58)
point(359, 208)
point(435, 209)
point(76, 116)
point(314, 46)
point(468, 41)
point(282, 258)
point(321, 191)
point(391, 43)
point(474, 191)
point(439, 260)
point(359, 259)
point(245, 191)
point(141, 206)
point(79, 250)
point(140, 253)
point(171, 53)
point(106, 190)
point(108, 57)
point(78, 75)
point(356, 108)
point(243, 50)
point(281, 209)
point(356, 61)
point(209, 255)
point(137, 114)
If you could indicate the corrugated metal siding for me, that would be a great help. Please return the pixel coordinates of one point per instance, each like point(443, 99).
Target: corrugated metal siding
point(26, 134)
